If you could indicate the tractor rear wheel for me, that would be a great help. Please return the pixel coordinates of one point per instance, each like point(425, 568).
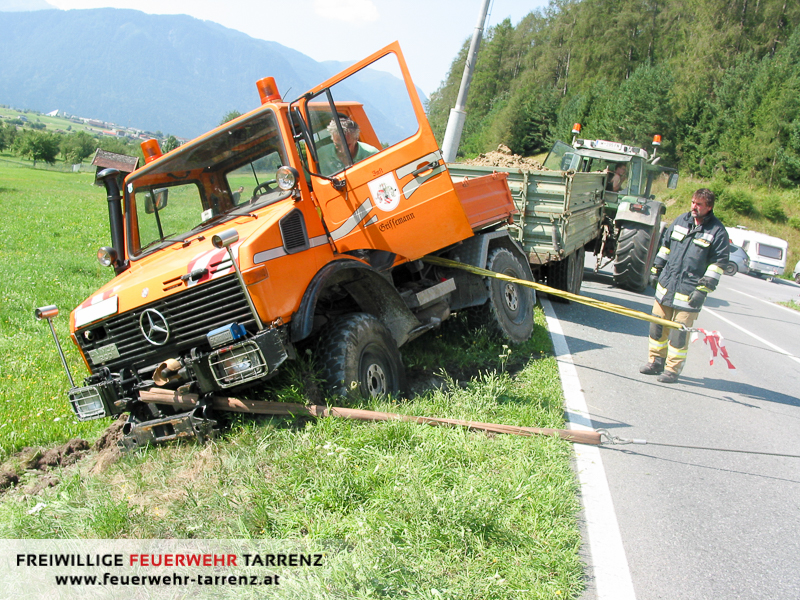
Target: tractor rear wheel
point(360, 358)
point(636, 251)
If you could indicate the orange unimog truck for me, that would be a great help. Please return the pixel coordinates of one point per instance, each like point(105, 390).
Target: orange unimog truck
point(260, 237)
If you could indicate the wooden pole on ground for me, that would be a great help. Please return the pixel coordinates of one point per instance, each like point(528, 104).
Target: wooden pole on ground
point(189, 401)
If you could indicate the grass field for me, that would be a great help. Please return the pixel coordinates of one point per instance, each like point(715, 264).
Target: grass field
point(51, 228)
point(420, 512)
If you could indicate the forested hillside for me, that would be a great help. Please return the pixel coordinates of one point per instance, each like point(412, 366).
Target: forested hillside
point(718, 79)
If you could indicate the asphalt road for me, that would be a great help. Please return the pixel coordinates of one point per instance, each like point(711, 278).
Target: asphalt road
point(699, 524)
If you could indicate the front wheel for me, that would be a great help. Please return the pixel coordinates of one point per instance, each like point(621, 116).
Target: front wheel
point(508, 313)
point(360, 358)
point(636, 247)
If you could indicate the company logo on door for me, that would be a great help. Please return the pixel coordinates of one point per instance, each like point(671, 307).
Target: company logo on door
point(385, 192)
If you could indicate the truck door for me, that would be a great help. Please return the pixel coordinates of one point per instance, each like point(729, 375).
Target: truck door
point(385, 186)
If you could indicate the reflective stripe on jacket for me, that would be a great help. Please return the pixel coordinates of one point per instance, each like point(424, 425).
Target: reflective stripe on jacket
point(691, 257)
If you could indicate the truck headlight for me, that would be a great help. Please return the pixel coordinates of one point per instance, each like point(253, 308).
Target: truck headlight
point(287, 178)
point(237, 364)
point(106, 256)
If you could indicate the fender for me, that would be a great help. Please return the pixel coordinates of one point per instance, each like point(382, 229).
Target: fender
point(371, 291)
point(651, 215)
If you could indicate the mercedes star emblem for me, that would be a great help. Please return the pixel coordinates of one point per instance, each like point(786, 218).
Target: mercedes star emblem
point(154, 327)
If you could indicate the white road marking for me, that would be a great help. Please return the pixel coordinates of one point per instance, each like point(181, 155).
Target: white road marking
point(612, 576)
point(786, 308)
point(752, 335)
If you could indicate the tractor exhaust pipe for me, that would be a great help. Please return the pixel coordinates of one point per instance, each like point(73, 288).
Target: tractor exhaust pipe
point(110, 179)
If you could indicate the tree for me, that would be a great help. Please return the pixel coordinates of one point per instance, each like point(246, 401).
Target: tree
point(8, 134)
point(38, 145)
point(170, 144)
point(77, 147)
point(230, 116)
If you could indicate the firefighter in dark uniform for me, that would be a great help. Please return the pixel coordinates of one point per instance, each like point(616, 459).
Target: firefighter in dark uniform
point(689, 264)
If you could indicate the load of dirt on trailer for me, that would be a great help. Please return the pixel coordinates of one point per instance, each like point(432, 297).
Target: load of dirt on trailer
point(503, 157)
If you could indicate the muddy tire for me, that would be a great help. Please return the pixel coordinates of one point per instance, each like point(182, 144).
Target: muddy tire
point(567, 274)
point(508, 314)
point(636, 251)
point(360, 358)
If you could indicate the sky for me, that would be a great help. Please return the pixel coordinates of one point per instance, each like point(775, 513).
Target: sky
point(430, 32)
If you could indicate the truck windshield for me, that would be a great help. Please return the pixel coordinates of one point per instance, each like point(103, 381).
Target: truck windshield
point(215, 178)
point(561, 158)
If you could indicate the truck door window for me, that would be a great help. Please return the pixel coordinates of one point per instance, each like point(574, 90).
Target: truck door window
point(633, 185)
point(354, 102)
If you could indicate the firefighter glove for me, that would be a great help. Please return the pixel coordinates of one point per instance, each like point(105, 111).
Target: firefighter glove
point(654, 274)
point(697, 298)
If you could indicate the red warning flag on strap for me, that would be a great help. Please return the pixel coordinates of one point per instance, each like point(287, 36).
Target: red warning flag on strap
point(715, 343)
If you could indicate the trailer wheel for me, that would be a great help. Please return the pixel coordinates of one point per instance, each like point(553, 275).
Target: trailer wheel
point(567, 274)
point(636, 248)
point(508, 314)
point(360, 358)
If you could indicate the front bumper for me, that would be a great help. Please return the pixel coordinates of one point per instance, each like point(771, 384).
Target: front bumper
point(243, 362)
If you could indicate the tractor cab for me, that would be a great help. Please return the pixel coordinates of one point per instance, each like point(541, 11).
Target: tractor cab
point(631, 171)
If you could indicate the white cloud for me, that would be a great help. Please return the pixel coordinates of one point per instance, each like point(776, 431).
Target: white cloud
point(350, 11)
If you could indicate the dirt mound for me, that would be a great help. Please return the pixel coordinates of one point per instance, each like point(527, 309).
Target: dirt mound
point(8, 477)
point(63, 455)
point(503, 157)
point(27, 465)
point(110, 436)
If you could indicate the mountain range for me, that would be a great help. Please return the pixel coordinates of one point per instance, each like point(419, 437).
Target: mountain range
point(169, 73)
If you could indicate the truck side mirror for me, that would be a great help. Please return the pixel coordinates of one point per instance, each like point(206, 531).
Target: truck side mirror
point(155, 200)
point(672, 182)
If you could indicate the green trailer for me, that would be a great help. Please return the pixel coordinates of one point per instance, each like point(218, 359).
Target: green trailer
point(560, 213)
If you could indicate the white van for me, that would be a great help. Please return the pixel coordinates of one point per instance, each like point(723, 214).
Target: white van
point(767, 254)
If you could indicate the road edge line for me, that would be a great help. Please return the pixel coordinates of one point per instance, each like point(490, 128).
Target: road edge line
point(611, 573)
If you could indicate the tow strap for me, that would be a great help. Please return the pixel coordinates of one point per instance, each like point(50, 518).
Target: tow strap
point(712, 338)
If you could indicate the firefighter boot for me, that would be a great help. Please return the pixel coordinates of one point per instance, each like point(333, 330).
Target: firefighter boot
point(653, 368)
point(668, 377)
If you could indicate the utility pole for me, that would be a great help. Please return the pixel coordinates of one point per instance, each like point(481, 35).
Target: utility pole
point(455, 124)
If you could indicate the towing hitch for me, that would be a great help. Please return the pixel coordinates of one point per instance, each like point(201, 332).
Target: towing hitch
point(197, 422)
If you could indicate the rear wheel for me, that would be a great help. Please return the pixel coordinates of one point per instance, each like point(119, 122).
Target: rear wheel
point(360, 358)
point(508, 313)
point(636, 248)
point(567, 274)
point(731, 269)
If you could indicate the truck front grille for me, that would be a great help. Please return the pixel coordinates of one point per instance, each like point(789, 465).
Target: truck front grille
point(190, 315)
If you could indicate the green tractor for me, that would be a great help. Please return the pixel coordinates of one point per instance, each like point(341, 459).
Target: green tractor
point(631, 223)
